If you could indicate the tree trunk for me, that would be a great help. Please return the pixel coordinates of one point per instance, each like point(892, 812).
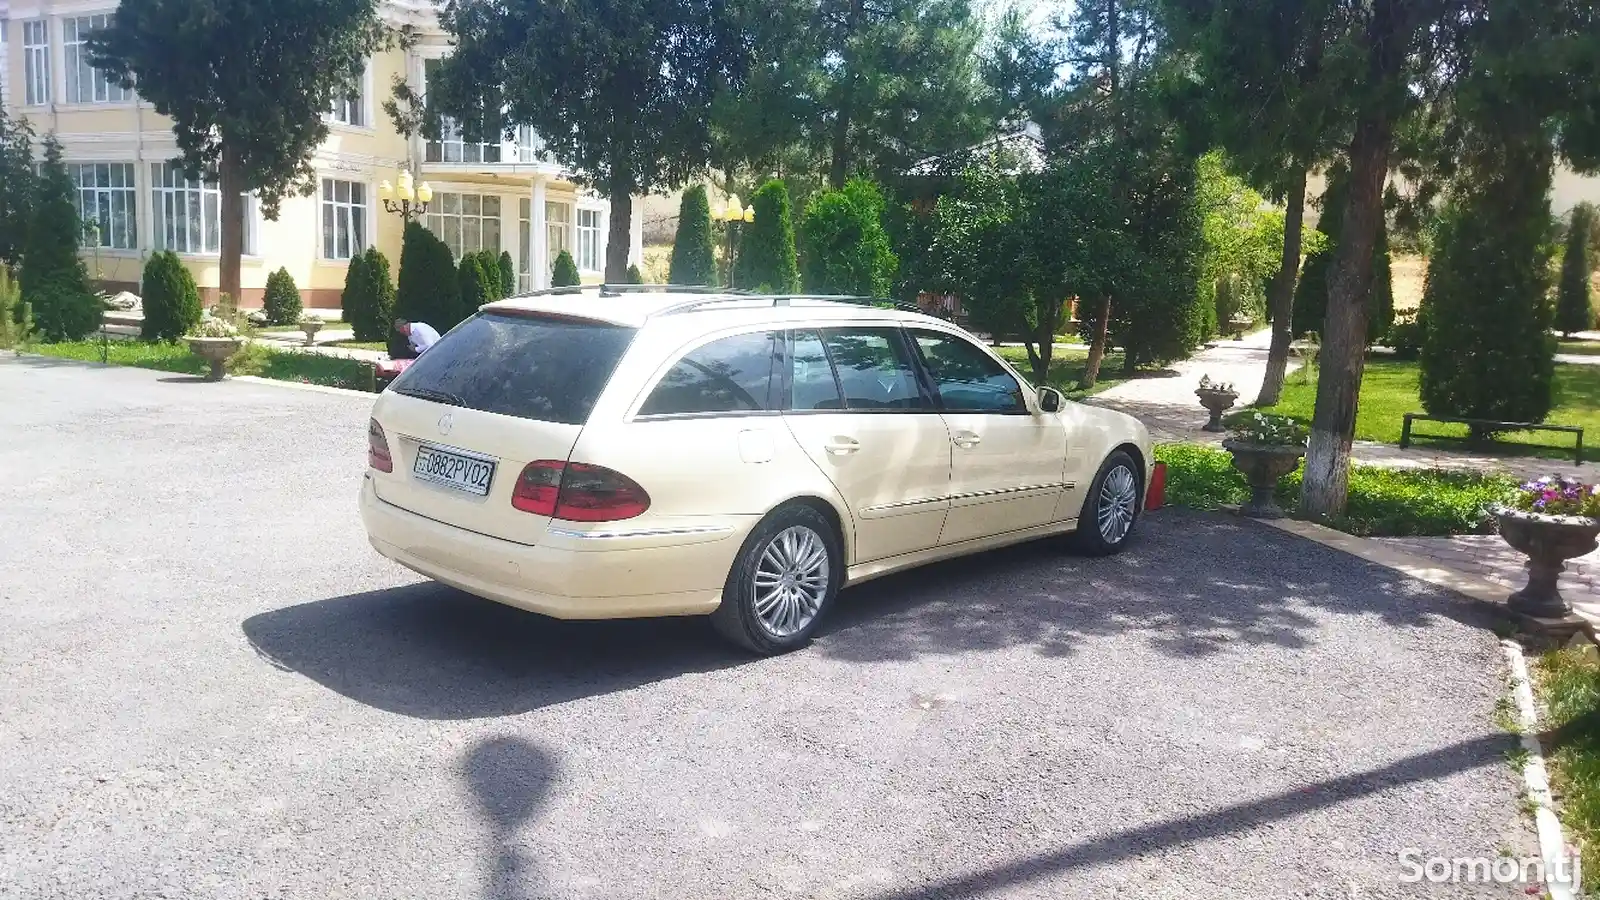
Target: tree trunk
point(1344, 332)
point(619, 239)
point(1344, 335)
point(1044, 334)
point(1281, 296)
point(839, 165)
point(230, 183)
point(1097, 347)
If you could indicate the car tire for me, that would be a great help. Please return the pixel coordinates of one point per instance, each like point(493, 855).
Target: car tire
point(782, 583)
point(1110, 512)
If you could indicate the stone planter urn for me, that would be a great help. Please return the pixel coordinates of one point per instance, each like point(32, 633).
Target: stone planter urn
point(216, 351)
point(1216, 401)
point(1548, 542)
point(1263, 465)
point(310, 329)
point(1238, 325)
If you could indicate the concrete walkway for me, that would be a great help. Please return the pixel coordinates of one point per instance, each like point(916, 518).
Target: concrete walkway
point(1488, 556)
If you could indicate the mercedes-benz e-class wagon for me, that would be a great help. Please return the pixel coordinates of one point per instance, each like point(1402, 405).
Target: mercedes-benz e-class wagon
point(604, 453)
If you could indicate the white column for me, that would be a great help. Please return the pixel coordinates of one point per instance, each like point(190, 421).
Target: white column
point(539, 265)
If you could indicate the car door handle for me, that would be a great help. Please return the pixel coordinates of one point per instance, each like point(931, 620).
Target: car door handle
point(842, 446)
point(966, 440)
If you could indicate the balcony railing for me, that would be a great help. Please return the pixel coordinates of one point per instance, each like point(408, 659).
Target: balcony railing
point(453, 148)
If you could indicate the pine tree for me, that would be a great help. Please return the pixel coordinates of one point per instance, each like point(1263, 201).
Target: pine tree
point(54, 280)
point(635, 276)
point(766, 257)
point(508, 274)
point(1574, 302)
point(355, 301)
point(1311, 293)
point(10, 302)
point(565, 271)
point(847, 249)
point(282, 300)
point(428, 290)
point(171, 299)
point(693, 256)
point(1486, 352)
point(378, 321)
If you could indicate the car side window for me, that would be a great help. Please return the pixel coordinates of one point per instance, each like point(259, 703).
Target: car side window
point(812, 385)
point(968, 380)
point(875, 369)
point(731, 375)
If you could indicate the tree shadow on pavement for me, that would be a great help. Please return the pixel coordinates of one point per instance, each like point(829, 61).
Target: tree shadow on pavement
point(433, 652)
point(1191, 583)
point(510, 779)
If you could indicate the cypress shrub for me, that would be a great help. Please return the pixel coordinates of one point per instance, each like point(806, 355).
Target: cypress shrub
point(282, 300)
point(428, 290)
point(11, 334)
point(565, 272)
point(355, 301)
point(1574, 303)
point(766, 258)
point(54, 281)
point(694, 258)
point(379, 321)
point(508, 274)
point(1486, 351)
point(847, 249)
point(475, 286)
point(634, 275)
point(1310, 309)
point(171, 299)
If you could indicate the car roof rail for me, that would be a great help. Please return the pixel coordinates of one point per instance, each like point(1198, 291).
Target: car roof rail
point(616, 290)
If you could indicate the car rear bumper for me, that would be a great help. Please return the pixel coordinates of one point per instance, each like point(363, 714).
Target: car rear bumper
point(578, 572)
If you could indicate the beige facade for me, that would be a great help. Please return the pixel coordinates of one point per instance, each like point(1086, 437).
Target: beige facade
point(503, 196)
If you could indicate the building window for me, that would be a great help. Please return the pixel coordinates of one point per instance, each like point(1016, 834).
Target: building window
point(558, 230)
point(352, 109)
point(530, 147)
point(525, 242)
point(36, 62)
point(106, 203)
point(85, 83)
point(589, 240)
point(452, 146)
point(466, 223)
point(188, 214)
point(344, 218)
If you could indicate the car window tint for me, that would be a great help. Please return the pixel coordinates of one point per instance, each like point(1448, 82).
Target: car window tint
point(968, 379)
point(813, 386)
point(552, 370)
point(873, 369)
point(729, 375)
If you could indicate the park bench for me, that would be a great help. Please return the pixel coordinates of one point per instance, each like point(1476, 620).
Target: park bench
point(1487, 425)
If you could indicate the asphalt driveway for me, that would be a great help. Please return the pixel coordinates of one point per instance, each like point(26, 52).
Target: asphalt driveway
point(211, 687)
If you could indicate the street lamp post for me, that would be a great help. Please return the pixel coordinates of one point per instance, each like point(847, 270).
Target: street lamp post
point(404, 200)
point(733, 214)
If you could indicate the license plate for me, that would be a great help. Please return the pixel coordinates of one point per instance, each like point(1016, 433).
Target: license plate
point(453, 469)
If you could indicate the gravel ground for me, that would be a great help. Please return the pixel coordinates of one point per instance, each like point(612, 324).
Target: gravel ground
point(211, 687)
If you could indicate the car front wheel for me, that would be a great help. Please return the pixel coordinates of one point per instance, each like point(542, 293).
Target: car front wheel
point(1111, 508)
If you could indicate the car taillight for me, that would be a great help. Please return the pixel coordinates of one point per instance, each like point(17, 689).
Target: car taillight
point(378, 448)
point(578, 492)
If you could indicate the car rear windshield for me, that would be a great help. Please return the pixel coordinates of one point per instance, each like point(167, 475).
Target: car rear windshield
point(532, 367)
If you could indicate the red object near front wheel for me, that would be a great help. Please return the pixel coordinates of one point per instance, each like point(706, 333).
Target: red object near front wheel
point(1156, 496)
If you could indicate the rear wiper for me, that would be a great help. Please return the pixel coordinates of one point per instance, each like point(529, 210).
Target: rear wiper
point(430, 394)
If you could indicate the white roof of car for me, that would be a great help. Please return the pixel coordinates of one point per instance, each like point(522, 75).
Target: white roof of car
point(634, 305)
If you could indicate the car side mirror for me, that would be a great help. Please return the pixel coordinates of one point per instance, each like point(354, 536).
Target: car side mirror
point(1050, 400)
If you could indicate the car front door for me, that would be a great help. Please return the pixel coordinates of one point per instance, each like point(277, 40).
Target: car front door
point(1008, 458)
point(859, 410)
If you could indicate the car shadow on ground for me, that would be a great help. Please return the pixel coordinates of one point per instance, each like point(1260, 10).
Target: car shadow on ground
point(1192, 584)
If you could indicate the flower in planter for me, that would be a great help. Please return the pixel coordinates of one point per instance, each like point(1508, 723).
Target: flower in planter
point(1251, 426)
point(1221, 387)
point(1554, 495)
point(310, 319)
point(212, 327)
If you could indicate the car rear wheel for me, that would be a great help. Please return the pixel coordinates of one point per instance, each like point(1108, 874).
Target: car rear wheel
point(1111, 508)
point(784, 580)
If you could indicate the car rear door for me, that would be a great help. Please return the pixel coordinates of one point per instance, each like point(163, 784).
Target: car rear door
point(860, 413)
point(1007, 459)
point(498, 392)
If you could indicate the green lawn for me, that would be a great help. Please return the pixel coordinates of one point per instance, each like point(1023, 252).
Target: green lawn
point(326, 323)
point(1569, 684)
point(1066, 368)
point(1582, 348)
point(1389, 391)
point(359, 345)
point(254, 359)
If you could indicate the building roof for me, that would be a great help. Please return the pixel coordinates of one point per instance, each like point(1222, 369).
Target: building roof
point(1024, 146)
